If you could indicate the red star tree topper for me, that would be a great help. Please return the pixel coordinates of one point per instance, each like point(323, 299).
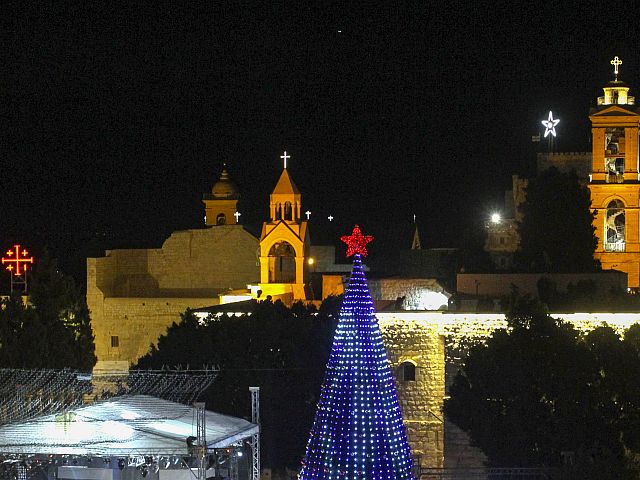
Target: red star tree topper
point(356, 242)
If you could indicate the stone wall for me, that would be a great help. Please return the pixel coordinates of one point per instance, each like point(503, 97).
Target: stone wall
point(416, 293)
point(134, 295)
point(421, 400)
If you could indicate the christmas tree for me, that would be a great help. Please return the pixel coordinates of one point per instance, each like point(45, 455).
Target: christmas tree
point(358, 431)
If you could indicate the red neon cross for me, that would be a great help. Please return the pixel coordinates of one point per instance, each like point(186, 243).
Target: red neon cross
point(16, 261)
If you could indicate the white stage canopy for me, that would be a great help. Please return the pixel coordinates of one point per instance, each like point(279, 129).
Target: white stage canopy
point(128, 425)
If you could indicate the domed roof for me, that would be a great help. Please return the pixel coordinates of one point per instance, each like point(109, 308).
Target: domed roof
point(224, 188)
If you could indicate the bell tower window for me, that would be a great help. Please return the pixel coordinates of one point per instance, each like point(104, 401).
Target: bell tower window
point(614, 154)
point(288, 211)
point(221, 219)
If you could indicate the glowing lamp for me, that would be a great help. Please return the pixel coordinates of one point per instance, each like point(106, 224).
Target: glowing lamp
point(311, 261)
point(496, 218)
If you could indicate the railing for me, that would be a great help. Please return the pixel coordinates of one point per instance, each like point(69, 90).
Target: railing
point(490, 474)
point(614, 178)
point(614, 247)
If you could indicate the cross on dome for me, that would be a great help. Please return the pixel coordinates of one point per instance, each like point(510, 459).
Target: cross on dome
point(616, 62)
point(330, 218)
point(308, 214)
point(356, 242)
point(237, 215)
point(285, 157)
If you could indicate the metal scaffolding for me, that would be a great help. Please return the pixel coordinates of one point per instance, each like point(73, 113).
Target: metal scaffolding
point(255, 439)
point(201, 439)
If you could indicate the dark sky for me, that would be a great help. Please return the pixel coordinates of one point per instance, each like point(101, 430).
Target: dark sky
point(116, 120)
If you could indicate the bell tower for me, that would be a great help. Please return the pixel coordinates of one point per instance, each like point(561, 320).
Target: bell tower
point(614, 182)
point(220, 205)
point(284, 241)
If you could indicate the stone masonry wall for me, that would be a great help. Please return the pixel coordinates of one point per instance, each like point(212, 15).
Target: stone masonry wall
point(421, 400)
point(135, 295)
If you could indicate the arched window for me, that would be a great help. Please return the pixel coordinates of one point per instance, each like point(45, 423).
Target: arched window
point(614, 227)
point(221, 219)
point(288, 211)
point(408, 371)
point(279, 211)
point(282, 265)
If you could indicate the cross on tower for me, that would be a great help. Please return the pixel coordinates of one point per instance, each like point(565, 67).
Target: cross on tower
point(237, 215)
point(330, 218)
point(285, 157)
point(308, 214)
point(616, 62)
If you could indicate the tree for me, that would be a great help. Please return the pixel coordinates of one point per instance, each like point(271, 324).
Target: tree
point(556, 233)
point(542, 388)
point(52, 329)
point(358, 430)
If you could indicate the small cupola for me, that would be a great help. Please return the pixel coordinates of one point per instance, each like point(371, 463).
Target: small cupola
point(616, 92)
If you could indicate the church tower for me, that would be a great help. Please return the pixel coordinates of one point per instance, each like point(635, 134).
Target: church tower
point(284, 241)
point(614, 182)
point(220, 205)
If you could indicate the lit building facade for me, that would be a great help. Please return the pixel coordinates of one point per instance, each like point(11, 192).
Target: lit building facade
point(614, 181)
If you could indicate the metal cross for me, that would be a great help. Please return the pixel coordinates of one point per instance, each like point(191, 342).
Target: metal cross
point(330, 218)
point(237, 215)
point(616, 62)
point(285, 157)
point(308, 214)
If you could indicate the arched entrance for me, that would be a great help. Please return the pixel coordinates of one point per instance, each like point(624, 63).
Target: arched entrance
point(282, 263)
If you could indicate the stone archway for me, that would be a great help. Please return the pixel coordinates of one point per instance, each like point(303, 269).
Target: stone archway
point(282, 263)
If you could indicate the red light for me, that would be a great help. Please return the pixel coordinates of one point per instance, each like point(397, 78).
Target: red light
point(17, 264)
point(356, 242)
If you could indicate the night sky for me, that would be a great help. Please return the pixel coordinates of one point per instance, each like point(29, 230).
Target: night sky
point(115, 121)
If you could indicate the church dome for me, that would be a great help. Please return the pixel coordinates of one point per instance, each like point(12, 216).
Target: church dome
point(224, 188)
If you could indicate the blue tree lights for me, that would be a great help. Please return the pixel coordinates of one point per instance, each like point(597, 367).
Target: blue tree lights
point(358, 431)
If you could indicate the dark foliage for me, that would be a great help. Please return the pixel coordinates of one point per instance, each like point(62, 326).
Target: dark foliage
point(556, 233)
point(542, 388)
point(283, 351)
point(52, 329)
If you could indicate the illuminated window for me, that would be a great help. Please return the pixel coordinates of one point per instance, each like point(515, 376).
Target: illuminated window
point(615, 227)
point(221, 219)
point(115, 341)
point(408, 371)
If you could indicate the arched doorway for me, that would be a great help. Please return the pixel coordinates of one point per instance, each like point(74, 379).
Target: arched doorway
point(282, 263)
point(614, 227)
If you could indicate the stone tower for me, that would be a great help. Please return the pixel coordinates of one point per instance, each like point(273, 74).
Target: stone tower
point(221, 204)
point(284, 242)
point(614, 182)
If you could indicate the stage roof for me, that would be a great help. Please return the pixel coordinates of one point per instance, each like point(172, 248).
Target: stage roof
point(137, 424)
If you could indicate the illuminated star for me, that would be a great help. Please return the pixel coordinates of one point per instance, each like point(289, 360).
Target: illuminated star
point(550, 125)
point(356, 242)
